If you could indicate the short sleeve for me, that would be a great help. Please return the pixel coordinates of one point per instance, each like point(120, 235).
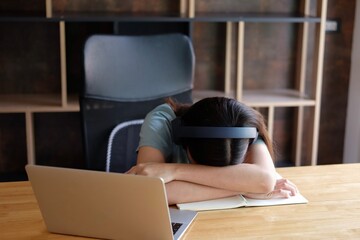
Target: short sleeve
point(156, 129)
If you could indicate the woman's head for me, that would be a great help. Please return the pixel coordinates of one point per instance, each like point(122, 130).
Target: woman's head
point(221, 112)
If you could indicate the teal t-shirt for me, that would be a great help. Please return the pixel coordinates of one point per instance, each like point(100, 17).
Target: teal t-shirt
point(156, 132)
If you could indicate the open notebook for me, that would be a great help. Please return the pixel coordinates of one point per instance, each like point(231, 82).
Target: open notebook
point(240, 201)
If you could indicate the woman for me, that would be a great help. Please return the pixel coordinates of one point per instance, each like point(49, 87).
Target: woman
point(208, 168)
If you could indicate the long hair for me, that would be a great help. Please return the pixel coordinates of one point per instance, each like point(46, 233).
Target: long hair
point(220, 112)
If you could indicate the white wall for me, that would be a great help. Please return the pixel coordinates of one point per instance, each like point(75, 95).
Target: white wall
point(352, 134)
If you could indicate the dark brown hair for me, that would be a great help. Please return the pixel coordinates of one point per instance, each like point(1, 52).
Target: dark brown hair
point(220, 112)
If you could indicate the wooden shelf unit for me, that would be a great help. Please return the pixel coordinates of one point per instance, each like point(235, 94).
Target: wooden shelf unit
point(17, 103)
point(272, 99)
point(264, 98)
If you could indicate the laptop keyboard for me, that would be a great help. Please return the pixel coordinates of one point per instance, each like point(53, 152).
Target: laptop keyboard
point(175, 227)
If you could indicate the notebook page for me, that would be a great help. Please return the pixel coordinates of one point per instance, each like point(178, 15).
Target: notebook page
point(222, 203)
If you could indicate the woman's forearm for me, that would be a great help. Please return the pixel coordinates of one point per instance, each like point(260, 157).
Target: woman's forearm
point(181, 192)
point(236, 178)
point(255, 175)
point(244, 177)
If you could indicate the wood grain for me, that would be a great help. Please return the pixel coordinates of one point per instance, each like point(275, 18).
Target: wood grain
point(333, 211)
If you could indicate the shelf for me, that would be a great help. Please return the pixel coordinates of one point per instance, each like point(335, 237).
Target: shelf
point(17, 103)
point(230, 26)
point(164, 17)
point(254, 17)
point(114, 16)
point(253, 98)
point(276, 98)
point(263, 98)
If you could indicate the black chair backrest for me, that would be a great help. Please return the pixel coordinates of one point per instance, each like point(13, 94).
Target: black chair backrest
point(125, 78)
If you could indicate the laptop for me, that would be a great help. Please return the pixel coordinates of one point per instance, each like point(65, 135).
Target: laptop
point(105, 205)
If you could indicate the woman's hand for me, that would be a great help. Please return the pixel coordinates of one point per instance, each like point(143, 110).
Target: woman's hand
point(166, 171)
point(283, 189)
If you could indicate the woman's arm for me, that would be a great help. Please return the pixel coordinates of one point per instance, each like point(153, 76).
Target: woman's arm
point(182, 192)
point(256, 175)
point(151, 163)
point(283, 189)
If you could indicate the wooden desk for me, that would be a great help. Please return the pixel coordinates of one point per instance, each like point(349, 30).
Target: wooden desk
point(333, 211)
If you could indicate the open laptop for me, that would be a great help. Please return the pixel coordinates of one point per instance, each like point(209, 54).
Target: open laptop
point(105, 205)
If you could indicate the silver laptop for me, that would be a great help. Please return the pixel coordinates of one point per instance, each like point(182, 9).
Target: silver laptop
point(105, 205)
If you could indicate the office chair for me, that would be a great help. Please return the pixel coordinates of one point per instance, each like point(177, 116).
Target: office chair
point(125, 78)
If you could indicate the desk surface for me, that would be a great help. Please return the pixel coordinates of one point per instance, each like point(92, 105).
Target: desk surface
point(333, 211)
